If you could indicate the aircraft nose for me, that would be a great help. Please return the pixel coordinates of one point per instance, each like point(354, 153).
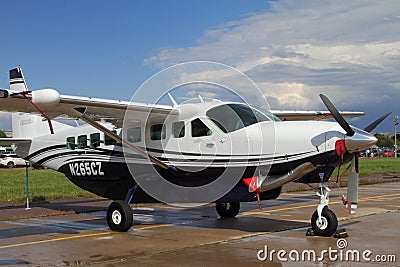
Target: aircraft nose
point(359, 141)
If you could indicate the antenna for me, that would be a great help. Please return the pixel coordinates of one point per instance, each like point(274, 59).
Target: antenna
point(201, 99)
point(174, 104)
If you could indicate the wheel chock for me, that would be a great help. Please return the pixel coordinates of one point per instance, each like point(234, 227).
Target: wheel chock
point(310, 232)
point(340, 233)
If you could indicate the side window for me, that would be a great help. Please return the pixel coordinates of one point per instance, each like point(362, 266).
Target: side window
point(178, 129)
point(134, 134)
point(71, 142)
point(82, 141)
point(157, 132)
point(199, 129)
point(108, 141)
point(94, 140)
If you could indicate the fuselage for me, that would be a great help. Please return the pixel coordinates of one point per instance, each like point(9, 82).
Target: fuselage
point(202, 142)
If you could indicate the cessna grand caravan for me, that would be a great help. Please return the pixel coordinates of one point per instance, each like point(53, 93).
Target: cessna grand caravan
point(190, 145)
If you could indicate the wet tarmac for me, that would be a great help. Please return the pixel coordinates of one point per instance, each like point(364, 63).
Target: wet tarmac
point(172, 236)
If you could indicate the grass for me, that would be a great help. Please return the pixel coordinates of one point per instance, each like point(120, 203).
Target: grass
point(373, 166)
point(52, 185)
point(43, 185)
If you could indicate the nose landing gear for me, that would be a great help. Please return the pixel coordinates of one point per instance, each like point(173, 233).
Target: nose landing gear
point(324, 221)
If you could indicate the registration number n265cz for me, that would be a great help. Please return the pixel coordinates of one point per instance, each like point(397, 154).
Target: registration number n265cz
point(86, 168)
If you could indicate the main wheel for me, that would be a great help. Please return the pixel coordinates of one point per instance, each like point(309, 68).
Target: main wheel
point(328, 224)
point(10, 164)
point(227, 209)
point(119, 216)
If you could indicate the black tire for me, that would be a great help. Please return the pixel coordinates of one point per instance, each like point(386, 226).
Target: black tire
point(119, 216)
point(10, 164)
point(227, 209)
point(329, 222)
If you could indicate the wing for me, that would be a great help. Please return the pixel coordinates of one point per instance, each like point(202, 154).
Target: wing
point(96, 108)
point(292, 115)
point(50, 103)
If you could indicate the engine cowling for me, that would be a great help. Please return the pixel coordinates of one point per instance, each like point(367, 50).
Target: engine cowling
point(45, 97)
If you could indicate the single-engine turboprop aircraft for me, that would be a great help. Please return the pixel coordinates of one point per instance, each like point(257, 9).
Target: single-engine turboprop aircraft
point(91, 155)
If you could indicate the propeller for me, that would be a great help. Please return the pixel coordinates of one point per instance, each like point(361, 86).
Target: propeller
point(373, 125)
point(336, 115)
point(352, 184)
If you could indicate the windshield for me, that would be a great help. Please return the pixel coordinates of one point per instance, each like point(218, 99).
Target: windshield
point(267, 113)
point(232, 117)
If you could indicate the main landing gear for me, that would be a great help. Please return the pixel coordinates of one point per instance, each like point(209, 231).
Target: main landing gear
point(324, 221)
point(119, 216)
point(227, 209)
point(119, 213)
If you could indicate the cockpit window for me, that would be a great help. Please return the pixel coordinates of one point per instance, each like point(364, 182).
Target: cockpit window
point(200, 129)
point(232, 117)
point(267, 113)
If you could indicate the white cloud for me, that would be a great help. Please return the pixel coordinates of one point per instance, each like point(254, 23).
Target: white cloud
point(298, 49)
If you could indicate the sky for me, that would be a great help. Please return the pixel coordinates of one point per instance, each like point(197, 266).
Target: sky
point(293, 50)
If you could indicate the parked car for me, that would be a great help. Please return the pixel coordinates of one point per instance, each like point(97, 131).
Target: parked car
point(388, 153)
point(11, 160)
point(364, 153)
point(376, 152)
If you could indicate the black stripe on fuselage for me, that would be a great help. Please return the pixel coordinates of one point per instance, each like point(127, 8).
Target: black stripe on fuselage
point(44, 150)
point(118, 179)
point(105, 152)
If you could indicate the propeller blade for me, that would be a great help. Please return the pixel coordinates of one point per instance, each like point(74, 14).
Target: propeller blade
point(352, 186)
point(336, 115)
point(373, 125)
point(356, 162)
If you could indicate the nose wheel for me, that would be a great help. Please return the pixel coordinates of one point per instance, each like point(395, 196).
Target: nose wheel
point(326, 225)
point(324, 221)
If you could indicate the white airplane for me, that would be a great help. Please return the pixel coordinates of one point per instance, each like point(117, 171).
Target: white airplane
point(188, 145)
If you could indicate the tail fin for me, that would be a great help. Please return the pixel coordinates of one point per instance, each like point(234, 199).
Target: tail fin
point(26, 125)
point(17, 81)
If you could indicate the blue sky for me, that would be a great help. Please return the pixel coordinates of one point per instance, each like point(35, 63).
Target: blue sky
point(293, 50)
point(99, 47)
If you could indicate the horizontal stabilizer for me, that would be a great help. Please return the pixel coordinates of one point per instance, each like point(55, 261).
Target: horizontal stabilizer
point(15, 140)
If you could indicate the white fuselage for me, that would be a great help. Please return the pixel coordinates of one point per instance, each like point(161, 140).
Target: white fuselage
point(263, 143)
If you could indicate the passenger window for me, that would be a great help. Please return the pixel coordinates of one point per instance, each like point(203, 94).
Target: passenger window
point(157, 132)
point(94, 140)
point(82, 141)
point(71, 142)
point(108, 141)
point(178, 129)
point(134, 135)
point(200, 129)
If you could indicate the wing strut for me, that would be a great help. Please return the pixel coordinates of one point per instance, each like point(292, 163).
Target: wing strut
point(77, 112)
